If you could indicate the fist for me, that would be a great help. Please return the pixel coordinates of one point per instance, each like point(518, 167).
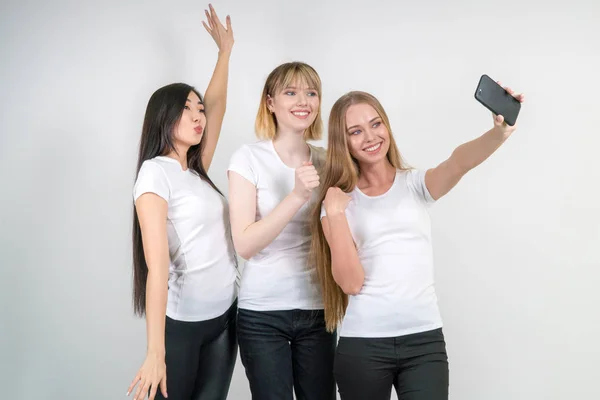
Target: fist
point(336, 201)
point(307, 179)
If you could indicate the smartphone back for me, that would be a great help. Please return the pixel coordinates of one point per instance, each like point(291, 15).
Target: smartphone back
point(497, 100)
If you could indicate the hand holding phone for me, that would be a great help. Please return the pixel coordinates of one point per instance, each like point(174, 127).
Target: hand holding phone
point(500, 101)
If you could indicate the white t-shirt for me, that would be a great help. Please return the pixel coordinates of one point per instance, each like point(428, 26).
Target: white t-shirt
point(202, 271)
point(279, 276)
point(392, 234)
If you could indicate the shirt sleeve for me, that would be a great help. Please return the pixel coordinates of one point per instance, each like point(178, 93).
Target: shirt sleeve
point(151, 179)
point(415, 180)
point(241, 163)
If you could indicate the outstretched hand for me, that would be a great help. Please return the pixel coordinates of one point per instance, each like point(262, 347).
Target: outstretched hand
point(223, 36)
point(499, 123)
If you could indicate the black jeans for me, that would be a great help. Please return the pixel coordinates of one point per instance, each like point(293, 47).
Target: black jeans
point(416, 365)
point(285, 352)
point(200, 357)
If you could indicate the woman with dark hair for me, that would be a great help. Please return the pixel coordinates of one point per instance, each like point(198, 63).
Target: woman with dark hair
point(184, 262)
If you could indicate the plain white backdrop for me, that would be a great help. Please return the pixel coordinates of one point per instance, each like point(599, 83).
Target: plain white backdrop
point(516, 243)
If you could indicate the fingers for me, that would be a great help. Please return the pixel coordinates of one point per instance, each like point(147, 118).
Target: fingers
point(206, 27)
point(214, 15)
point(163, 386)
point(139, 394)
point(499, 119)
point(133, 383)
point(228, 22)
point(210, 20)
point(153, 390)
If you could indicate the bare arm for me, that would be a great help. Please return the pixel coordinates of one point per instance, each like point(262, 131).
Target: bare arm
point(346, 268)
point(441, 179)
point(215, 98)
point(152, 214)
point(251, 236)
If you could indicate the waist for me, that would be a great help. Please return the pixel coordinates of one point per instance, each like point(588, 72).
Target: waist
point(377, 315)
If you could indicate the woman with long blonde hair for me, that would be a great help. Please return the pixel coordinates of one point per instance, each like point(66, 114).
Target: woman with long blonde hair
point(284, 345)
point(372, 248)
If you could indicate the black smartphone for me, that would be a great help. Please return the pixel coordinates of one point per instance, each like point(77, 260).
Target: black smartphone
point(497, 100)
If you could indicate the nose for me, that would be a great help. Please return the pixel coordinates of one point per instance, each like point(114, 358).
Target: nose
point(369, 134)
point(301, 99)
point(196, 116)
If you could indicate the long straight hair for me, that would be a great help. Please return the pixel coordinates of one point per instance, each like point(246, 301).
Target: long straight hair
point(341, 170)
point(163, 113)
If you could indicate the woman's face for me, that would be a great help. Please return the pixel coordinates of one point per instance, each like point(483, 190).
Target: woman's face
point(368, 137)
point(190, 127)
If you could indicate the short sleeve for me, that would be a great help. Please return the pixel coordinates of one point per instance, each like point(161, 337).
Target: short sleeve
point(241, 163)
point(323, 213)
point(151, 179)
point(415, 180)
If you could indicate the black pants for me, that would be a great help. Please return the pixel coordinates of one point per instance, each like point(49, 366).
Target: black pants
point(200, 357)
point(285, 352)
point(416, 365)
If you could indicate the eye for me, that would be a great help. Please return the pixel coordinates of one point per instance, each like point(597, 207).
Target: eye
point(376, 124)
point(186, 108)
point(290, 93)
point(356, 132)
point(313, 94)
point(201, 110)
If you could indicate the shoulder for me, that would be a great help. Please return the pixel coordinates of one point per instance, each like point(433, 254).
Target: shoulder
point(155, 167)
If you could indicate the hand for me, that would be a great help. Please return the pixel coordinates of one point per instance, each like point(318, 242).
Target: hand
point(336, 201)
point(499, 124)
point(152, 374)
point(306, 180)
point(222, 36)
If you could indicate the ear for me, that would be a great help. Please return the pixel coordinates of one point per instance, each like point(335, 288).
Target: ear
point(270, 103)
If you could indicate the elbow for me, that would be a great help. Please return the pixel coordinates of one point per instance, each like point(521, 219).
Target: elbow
point(352, 288)
point(351, 285)
point(242, 250)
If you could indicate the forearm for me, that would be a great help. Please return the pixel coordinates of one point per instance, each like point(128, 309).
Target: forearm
point(215, 97)
point(260, 234)
point(469, 155)
point(345, 264)
point(156, 305)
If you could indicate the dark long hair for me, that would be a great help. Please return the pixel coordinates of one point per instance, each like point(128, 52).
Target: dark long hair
point(163, 113)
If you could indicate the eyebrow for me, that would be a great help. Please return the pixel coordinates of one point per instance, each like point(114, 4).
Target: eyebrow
point(356, 126)
point(295, 88)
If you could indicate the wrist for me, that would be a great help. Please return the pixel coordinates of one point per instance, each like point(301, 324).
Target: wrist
point(156, 351)
point(298, 198)
point(224, 53)
point(334, 212)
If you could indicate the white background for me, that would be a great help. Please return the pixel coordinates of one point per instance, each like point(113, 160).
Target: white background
point(516, 243)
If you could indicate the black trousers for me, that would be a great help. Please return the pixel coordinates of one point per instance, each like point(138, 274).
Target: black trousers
point(200, 357)
point(416, 365)
point(287, 352)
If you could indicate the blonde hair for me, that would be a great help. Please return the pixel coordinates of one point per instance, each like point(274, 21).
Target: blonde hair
point(281, 77)
point(341, 170)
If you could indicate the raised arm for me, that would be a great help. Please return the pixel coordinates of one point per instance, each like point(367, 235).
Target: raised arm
point(441, 179)
point(152, 214)
point(346, 268)
point(251, 236)
point(215, 98)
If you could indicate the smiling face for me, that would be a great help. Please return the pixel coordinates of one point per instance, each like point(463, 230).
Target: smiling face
point(368, 138)
point(295, 106)
point(190, 127)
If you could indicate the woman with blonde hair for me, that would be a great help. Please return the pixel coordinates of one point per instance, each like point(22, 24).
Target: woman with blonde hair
point(372, 248)
point(284, 345)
